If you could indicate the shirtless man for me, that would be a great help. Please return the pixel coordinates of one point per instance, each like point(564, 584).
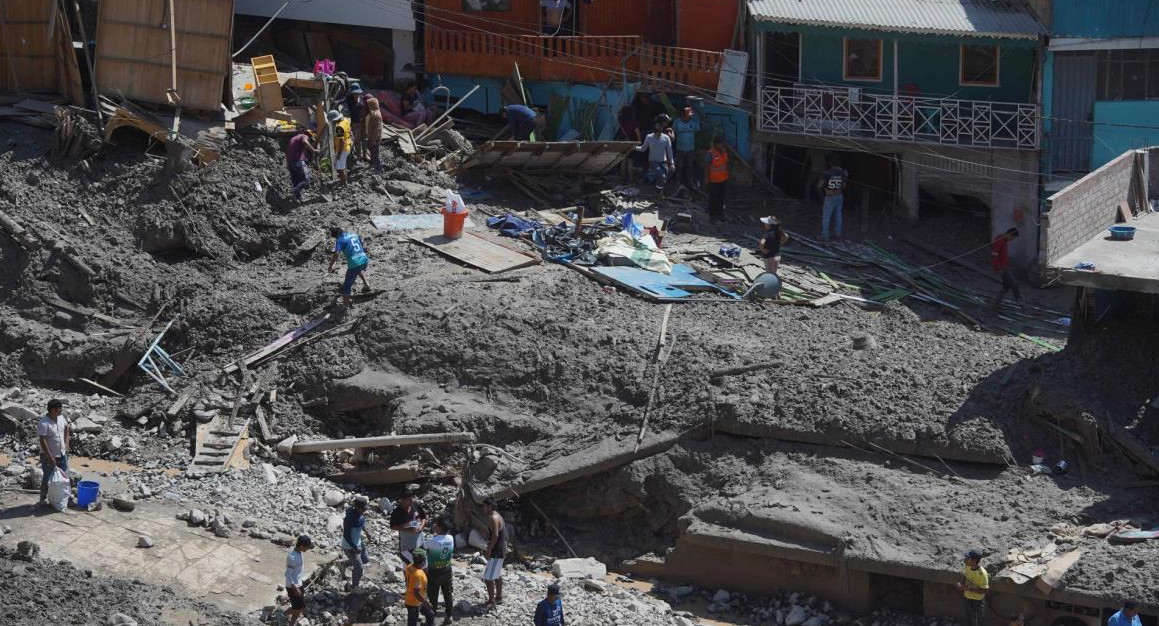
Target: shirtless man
point(496, 550)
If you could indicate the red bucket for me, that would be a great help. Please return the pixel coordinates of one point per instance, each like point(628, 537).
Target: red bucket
point(453, 224)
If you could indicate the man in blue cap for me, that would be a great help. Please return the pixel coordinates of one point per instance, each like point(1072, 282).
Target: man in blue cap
point(522, 121)
point(1127, 616)
point(350, 246)
point(975, 583)
point(549, 611)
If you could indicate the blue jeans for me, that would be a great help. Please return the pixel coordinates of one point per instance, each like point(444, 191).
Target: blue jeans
point(46, 466)
point(299, 177)
point(832, 209)
point(351, 276)
point(657, 173)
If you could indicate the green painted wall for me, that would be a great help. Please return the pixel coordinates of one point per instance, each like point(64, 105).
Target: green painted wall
point(929, 62)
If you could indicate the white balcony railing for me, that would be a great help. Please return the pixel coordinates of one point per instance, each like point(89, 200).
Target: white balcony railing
point(841, 112)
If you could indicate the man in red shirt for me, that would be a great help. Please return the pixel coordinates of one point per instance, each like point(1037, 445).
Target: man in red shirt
point(1000, 261)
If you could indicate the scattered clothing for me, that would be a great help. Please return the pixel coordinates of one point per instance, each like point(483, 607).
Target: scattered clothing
point(512, 225)
point(549, 612)
point(521, 121)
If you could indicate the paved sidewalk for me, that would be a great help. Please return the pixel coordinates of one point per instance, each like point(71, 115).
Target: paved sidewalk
point(238, 574)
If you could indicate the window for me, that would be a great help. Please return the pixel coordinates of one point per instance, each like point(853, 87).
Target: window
point(486, 5)
point(862, 59)
point(979, 66)
point(1127, 75)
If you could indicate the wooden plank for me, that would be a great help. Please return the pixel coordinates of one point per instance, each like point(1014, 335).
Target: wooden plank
point(1055, 570)
point(263, 427)
point(277, 344)
point(133, 51)
point(181, 401)
point(478, 252)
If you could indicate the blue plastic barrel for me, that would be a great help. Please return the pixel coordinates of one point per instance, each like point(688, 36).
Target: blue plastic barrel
point(87, 492)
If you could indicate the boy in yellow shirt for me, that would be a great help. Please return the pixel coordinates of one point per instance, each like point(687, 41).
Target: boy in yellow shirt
point(416, 592)
point(975, 583)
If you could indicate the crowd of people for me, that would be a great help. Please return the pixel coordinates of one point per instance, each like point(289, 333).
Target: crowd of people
point(427, 556)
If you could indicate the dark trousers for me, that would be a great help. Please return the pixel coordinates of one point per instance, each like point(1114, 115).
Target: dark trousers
point(1008, 284)
point(376, 156)
point(522, 132)
point(439, 580)
point(686, 167)
point(973, 612)
point(299, 177)
point(412, 615)
point(716, 200)
point(61, 462)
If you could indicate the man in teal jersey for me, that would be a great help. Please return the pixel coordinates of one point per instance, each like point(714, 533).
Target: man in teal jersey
point(350, 246)
point(440, 548)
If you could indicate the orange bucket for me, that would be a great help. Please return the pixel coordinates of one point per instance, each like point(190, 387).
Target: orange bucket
point(453, 224)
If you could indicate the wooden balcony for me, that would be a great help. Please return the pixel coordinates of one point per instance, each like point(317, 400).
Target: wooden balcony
point(589, 59)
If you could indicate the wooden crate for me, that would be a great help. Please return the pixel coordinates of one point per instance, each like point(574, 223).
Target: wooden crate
point(268, 90)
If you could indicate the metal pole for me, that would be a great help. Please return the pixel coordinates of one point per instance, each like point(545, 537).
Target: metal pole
point(895, 103)
point(442, 117)
point(306, 447)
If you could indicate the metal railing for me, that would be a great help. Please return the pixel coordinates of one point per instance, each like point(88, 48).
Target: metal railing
point(848, 112)
point(579, 59)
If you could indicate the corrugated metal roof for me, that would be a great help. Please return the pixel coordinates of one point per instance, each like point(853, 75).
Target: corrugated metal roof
point(974, 18)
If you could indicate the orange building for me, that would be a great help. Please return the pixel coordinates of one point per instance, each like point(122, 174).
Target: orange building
point(667, 44)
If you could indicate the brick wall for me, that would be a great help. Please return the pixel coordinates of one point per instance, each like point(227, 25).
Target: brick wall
point(1087, 207)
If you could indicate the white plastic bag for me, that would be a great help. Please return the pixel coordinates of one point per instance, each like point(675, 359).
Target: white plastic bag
point(454, 203)
point(58, 489)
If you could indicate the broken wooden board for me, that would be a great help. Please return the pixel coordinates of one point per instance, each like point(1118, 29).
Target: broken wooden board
point(277, 344)
point(579, 157)
point(1049, 580)
point(423, 221)
point(477, 252)
point(678, 285)
point(217, 447)
point(385, 476)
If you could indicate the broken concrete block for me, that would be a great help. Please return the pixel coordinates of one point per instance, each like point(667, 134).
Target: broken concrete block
point(796, 616)
point(196, 517)
point(578, 568)
point(721, 596)
point(86, 425)
point(15, 469)
point(333, 497)
point(120, 619)
point(269, 474)
point(285, 447)
point(124, 504)
point(18, 412)
point(593, 585)
point(26, 551)
point(145, 541)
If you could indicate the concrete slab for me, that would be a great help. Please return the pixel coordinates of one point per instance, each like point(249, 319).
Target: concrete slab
point(241, 574)
point(1126, 265)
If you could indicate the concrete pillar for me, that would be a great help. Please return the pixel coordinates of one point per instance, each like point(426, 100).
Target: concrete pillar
point(908, 191)
point(403, 44)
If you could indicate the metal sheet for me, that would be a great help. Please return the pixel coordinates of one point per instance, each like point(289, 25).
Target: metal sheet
point(1073, 109)
point(678, 285)
point(730, 88)
point(979, 18)
point(580, 157)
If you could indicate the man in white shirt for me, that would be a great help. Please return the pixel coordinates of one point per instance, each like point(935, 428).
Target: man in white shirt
point(295, 566)
point(53, 433)
point(659, 148)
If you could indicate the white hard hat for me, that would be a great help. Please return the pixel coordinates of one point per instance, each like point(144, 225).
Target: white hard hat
point(334, 115)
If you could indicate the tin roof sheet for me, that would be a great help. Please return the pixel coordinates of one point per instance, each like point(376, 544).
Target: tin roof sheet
point(975, 18)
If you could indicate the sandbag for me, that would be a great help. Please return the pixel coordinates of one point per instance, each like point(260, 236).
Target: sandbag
point(59, 489)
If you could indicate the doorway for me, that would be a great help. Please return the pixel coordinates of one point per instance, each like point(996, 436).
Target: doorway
point(782, 59)
point(662, 22)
